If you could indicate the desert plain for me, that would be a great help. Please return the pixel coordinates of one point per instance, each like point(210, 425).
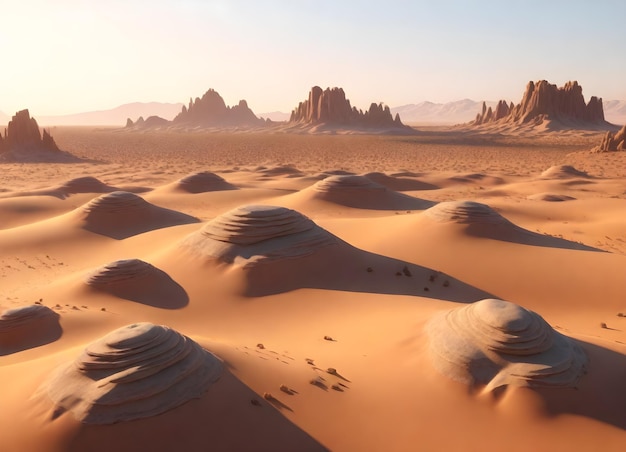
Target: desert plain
point(327, 335)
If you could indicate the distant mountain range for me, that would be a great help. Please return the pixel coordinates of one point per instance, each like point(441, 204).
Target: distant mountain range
point(425, 113)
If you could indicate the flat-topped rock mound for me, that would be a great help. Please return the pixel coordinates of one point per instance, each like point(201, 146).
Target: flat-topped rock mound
point(257, 234)
point(563, 172)
point(27, 326)
point(363, 193)
point(137, 371)
point(120, 214)
point(465, 212)
point(201, 182)
point(497, 343)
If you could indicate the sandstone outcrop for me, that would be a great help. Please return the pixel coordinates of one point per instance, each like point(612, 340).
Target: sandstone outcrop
point(211, 111)
point(497, 343)
point(22, 141)
point(612, 142)
point(330, 107)
point(137, 371)
point(543, 101)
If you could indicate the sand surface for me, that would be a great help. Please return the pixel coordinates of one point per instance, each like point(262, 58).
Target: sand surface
point(321, 324)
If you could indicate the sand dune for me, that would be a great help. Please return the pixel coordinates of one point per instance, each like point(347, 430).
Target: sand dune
point(345, 296)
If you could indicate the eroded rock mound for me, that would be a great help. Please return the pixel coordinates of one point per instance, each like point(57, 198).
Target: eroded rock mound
point(465, 212)
point(497, 343)
point(22, 141)
point(612, 141)
point(115, 203)
point(137, 371)
point(343, 183)
point(543, 101)
point(27, 326)
point(120, 272)
point(211, 110)
point(87, 184)
point(330, 107)
point(563, 172)
point(258, 234)
point(203, 181)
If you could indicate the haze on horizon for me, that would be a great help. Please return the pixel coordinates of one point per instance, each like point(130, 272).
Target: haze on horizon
point(72, 56)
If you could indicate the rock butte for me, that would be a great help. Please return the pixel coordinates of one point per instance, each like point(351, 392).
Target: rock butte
point(544, 101)
point(137, 371)
point(24, 317)
point(115, 202)
point(465, 212)
point(258, 234)
point(120, 272)
point(497, 343)
point(203, 181)
point(563, 172)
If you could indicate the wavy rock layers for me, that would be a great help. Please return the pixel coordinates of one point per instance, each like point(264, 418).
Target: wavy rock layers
point(330, 107)
point(612, 142)
point(563, 172)
point(259, 234)
point(544, 101)
point(115, 202)
point(466, 212)
point(203, 181)
point(137, 371)
point(121, 272)
point(27, 326)
point(497, 343)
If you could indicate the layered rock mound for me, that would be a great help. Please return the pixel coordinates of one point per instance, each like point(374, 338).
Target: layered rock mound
point(466, 212)
point(203, 181)
point(563, 172)
point(22, 141)
point(344, 183)
point(543, 101)
point(612, 142)
point(87, 184)
point(258, 234)
point(330, 107)
point(121, 272)
point(497, 343)
point(116, 202)
point(137, 371)
point(27, 326)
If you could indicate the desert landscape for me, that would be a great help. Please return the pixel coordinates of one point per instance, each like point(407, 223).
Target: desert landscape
point(344, 275)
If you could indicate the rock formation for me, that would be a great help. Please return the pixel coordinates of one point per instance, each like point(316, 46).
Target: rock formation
point(258, 234)
point(137, 371)
point(331, 108)
point(497, 343)
point(543, 101)
point(22, 141)
point(211, 111)
point(203, 181)
point(27, 326)
point(612, 142)
point(465, 212)
point(120, 272)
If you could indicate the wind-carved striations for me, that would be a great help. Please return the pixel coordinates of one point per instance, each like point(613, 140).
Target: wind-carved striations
point(203, 181)
point(27, 326)
point(612, 141)
point(137, 371)
point(121, 272)
point(544, 101)
point(115, 203)
point(497, 343)
point(258, 234)
point(330, 107)
point(466, 212)
point(343, 183)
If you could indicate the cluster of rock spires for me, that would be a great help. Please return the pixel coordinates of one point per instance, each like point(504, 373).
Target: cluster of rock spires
point(330, 107)
point(612, 141)
point(497, 343)
point(22, 141)
point(544, 101)
point(137, 371)
point(258, 234)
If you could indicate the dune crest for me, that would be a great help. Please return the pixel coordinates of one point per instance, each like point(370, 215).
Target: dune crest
point(497, 343)
point(137, 371)
point(258, 234)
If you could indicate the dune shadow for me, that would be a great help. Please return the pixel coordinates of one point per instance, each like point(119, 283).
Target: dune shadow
point(390, 201)
point(599, 394)
point(349, 269)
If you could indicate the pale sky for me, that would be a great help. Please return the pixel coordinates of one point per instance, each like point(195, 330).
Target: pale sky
point(70, 56)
